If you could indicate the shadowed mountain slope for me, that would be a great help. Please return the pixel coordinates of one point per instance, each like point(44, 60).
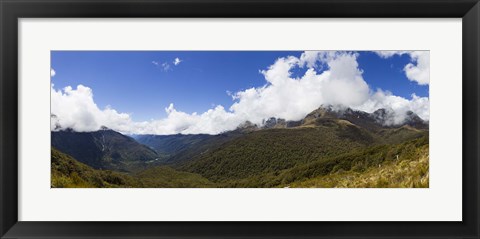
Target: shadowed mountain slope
point(104, 149)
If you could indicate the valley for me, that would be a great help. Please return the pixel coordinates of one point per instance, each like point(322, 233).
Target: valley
point(327, 148)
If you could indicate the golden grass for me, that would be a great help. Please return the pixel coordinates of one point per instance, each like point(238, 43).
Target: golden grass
point(390, 174)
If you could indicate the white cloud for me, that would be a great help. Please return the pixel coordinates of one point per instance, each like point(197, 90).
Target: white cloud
point(165, 66)
point(52, 72)
point(282, 96)
point(75, 108)
point(291, 98)
point(398, 105)
point(418, 69)
point(388, 54)
point(177, 61)
point(213, 121)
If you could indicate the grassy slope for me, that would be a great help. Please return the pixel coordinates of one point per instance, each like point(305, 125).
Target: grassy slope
point(166, 177)
point(375, 166)
point(408, 173)
point(69, 173)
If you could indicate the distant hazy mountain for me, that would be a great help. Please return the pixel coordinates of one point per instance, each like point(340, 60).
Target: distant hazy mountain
point(104, 149)
point(179, 148)
point(168, 145)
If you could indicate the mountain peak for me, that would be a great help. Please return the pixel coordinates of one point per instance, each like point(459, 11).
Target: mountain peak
point(324, 111)
point(104, 128)
point(325, 114)
point(379, 118)
point(415, 121)
point(247, 126)
point(274, 123)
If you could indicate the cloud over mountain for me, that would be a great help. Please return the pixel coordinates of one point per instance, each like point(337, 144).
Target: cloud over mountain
point(330, 78)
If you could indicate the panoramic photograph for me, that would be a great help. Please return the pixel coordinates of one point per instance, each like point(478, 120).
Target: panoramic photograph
point(240, 119)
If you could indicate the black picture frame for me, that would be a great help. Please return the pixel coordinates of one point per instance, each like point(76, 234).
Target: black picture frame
point(12, 10)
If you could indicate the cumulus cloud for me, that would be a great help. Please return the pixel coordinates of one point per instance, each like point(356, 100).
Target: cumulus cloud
point(76, 109)
point(398, 106)
point(418, 69)
point(52, 72)
point(213, 121)
point(282, 96)
point(177, 61)
point(292, 98)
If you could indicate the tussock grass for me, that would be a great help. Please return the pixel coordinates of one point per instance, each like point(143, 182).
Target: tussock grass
point(406, 173)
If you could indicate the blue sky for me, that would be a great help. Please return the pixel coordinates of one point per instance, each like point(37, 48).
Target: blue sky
point(388, 74)
point(135, 82)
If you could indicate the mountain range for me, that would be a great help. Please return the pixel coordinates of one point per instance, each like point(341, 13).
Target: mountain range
point(276, 153)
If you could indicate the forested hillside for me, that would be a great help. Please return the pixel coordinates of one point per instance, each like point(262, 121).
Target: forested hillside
point(328, 148)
